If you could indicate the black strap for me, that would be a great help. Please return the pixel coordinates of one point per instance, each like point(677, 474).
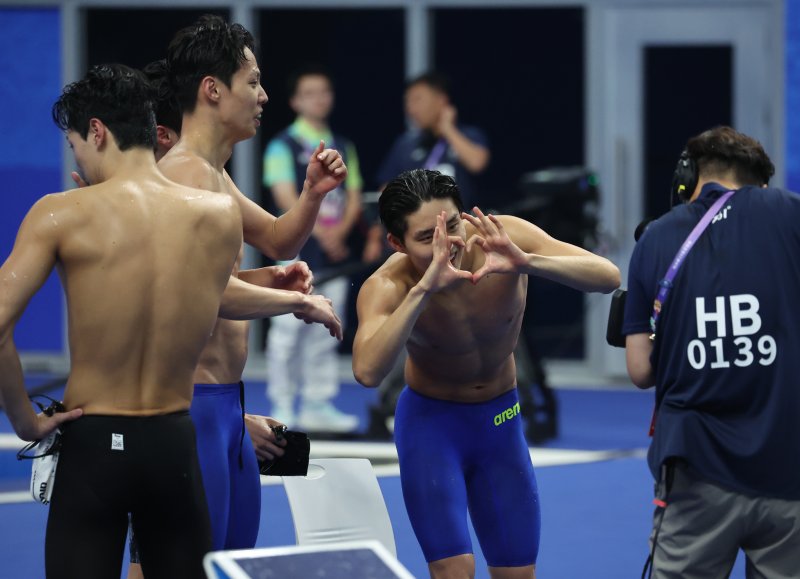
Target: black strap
point(667, 475)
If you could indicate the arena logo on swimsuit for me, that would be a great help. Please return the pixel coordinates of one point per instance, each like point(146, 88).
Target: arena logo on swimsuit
point(506, 414)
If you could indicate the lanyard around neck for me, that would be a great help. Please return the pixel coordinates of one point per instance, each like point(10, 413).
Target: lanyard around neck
point(436, 154)
point(666, 284)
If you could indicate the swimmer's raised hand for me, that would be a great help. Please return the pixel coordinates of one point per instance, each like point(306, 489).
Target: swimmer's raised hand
point(441, 273)
point(502, 254)
point(326, 171)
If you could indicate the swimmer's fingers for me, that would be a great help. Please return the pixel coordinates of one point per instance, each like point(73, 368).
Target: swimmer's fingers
point(62, 417)
point(475, 240)
point(335, 328)
point(263, 437)
point(46, 424)
point(318, 150)
point(78, 179)
point(268, 450)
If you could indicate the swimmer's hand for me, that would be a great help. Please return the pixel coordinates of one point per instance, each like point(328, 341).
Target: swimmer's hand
point(293, 277)
point(44, 424)
point(265, 443)
point(502, 254)
point(326, 171)
point(441, 273)
point(319, 309)
point(78, 179)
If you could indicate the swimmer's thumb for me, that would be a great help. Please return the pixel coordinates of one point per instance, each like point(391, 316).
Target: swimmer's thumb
point(62, 417)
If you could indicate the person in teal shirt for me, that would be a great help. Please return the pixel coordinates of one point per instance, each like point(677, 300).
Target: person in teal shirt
point(299, 357)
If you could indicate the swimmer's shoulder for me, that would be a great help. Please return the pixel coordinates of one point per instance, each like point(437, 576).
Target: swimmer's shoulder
point(191, 170)
point(391, 281)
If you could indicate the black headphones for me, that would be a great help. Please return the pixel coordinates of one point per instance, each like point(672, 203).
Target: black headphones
point(685, 177)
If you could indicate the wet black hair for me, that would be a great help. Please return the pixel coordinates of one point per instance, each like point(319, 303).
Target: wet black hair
point(167, 109)
point(209, 47)
point(117, 95)
point(405, 194)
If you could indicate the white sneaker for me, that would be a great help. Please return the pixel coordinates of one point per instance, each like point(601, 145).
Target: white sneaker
point(283, 413)
point(325, 417)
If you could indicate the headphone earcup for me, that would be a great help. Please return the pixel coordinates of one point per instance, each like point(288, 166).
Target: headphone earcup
point(684, 179)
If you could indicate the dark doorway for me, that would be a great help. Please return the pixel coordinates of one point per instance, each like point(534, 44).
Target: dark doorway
point(518, 73)
point(687, 89)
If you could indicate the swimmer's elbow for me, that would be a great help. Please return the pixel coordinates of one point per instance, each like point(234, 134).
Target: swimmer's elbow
point(615, 280)
point(611, 279)
point(365, 376)
point(367, 379)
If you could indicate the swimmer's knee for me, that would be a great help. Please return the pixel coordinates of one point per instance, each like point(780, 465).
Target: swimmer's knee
point(457, 567)
point(527, 572)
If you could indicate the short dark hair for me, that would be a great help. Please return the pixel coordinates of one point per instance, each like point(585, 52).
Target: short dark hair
point(405, 194)
point(722, 149)
point(309, 69)
point(435, 80)
point(209, 47)
point(117, 95)
point(167, 109)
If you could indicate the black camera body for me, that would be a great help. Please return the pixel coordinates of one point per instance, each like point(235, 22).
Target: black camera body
point(616, 316)
point(294, 461)
point(616, 313)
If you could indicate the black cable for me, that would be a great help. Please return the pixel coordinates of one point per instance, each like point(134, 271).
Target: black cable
point(667, 473)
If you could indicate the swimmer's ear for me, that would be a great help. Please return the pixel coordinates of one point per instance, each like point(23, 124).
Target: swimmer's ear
point(164, 136)
point(209, 88)
point(395, 243)
point(97, 132)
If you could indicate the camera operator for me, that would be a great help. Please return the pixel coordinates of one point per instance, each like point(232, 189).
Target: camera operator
point(723, 354)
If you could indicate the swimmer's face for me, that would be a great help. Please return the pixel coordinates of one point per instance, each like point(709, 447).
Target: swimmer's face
point(241, 104)
point(83, 152)
point(418, 239)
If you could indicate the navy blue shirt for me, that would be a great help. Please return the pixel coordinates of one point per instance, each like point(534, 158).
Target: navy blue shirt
point(412, 149)
point(727, 351)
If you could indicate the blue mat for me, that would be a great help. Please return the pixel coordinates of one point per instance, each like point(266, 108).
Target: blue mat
point(595, 517)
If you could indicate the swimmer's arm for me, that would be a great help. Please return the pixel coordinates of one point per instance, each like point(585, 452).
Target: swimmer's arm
point(24, 272)
point(293, 277)
point(638, 348)
point(385, 321)
point(533, 252)
point(245, 301)
point(283, 237)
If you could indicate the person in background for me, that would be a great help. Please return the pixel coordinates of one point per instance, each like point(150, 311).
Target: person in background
point(436, 139)
point(301, 358)
point(719, 342)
